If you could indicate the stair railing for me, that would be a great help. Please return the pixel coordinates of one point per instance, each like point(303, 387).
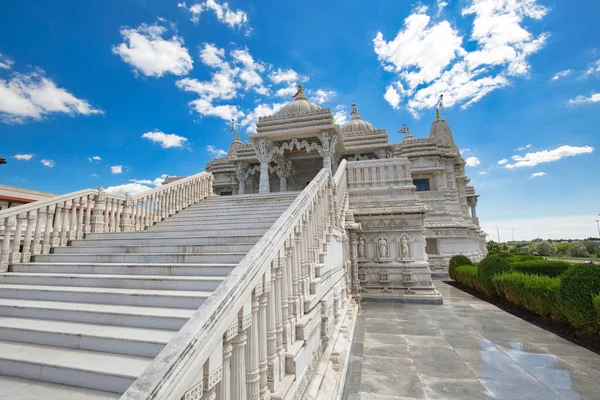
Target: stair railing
point(35, 228)
point(234, 346)
point(340, 182)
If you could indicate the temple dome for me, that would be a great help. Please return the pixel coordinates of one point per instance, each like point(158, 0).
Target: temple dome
point(357, 124)
point(300, 105)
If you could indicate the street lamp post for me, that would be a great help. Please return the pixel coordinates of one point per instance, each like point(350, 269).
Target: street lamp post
point(598, 225)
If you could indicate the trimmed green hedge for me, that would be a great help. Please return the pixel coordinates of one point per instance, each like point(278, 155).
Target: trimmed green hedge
point(539, 294)
point(457, 261)
point(467, 275)
point(596, 301)
point(579, 284)
point(542, 267)
point(490, 266)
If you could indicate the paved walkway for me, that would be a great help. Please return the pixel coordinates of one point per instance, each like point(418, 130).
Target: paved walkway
point(465, 349)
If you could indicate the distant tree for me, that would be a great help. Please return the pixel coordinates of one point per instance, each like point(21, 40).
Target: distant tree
point(492, 247)
point(590, 247)
point(545, 249)
point(562, 249)
point(578, 250)
point(504, 248)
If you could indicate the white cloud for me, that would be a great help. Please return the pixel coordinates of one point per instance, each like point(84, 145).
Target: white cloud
point(540, 157)
point(212, 56)
point(262, 110)
point(464, 151)
point(166, 140)
point(340, 115)
point(250, 71)
point(594, 68)
point(116, 169)
point(537, 174)
point(287, 91)
point(94, 158)
point(131, 188)
point(482, 173)
point(524, 147)
point(392, 96)
point(213, 151)
point(562, 74)
point(441, 4)
point(154, 182)
point(145, 49)
point(225, 15)
point(321, 96)
point(472, 162)
point(48, 163)
point(94, 175)
point(24, 157)
point(504, 161)
point(226, 112)
point(429, 59)
point(5, 62)
point(279, 76)
point(594, 98)
point(35, 96)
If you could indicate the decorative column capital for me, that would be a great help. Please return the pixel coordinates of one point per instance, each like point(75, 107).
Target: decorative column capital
point(263, 151)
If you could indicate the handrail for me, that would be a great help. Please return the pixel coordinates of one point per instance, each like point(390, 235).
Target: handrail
point(284, 257)
point(340, 181)
point(52, 222)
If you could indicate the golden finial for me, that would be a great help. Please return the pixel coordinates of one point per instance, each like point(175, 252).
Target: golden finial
point(437, 114)
point(237, 136)
point(354, 109)
point(300, 89)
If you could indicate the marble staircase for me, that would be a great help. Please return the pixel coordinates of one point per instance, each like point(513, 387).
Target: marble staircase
point(94, 314)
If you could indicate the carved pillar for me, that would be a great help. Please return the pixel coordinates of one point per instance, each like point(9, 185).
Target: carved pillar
point(354, 265)
point(55, 242)
point(284, 170)
point(272, 358)
point(262, 340)
point(224, 385)
point(238, 365)
point(5, 252)
point(99, 211)
point(328, 143)
point(37, 235)
point(16, 254)
point(240, 174)
point(46, 241)
point(263, 153)
point(126, 219)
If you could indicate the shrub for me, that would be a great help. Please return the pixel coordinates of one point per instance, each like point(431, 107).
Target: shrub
point(539, 294)
point(544, 248)
point(522, 257)
point(578, 250)
point(467, 275)
point(457, 261)
point(490, 266)
point(577, 287)
point(541, 267)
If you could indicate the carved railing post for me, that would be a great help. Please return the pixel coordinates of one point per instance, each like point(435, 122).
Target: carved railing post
point(252, 367)
point(4, 254)
point(72, 233)
point(89, 205)
point(47, 241)
point(262, 337)
point(99, 211)
point(127, 220)
point(238, 360)
point(37, 235)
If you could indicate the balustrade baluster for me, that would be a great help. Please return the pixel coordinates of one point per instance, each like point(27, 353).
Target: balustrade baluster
point(5, 251)
point(48, 230)
point(37, 234)
point(276, 287)
point(114, 210)
point(262, 337)
point(252, 367)
point(99, 216)
point(26, 254)
point(57, 225)
point(16, 254)
point(72, 234)
point(81, 217)
point(287, 299)
point(64, 227)
point(238, 363)
point(87, 228)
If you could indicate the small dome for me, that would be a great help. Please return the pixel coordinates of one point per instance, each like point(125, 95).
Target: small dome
point(357, 124)
point(300, 105)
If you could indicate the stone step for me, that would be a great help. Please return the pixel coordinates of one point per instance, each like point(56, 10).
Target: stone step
point(192, 229)
point(182, 234)
point(98, 295)
point(253, 196)
point(151, 282)
point(211, 215)
point(258, 222)
point(157, 248)
point(141, 317)
point(168, 269)
point(233, 210)
point(141, 258)
point(14, 388)
point(155, 238)
point(82, 368)
point(76, 335)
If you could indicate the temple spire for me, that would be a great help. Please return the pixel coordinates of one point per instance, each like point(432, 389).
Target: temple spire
point(354, 109)
point(299, 92)
point(440, 107)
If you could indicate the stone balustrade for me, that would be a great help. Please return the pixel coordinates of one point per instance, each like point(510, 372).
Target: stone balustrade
point(244, 340)
point(34, 228)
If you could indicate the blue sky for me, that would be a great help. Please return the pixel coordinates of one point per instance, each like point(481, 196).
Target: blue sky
point(148, 87)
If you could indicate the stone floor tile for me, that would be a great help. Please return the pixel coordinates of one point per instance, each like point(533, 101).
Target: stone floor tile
point(406, 384)
point(454, 389)
point(387, 365)
point(510, 390)
point(427, 341)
